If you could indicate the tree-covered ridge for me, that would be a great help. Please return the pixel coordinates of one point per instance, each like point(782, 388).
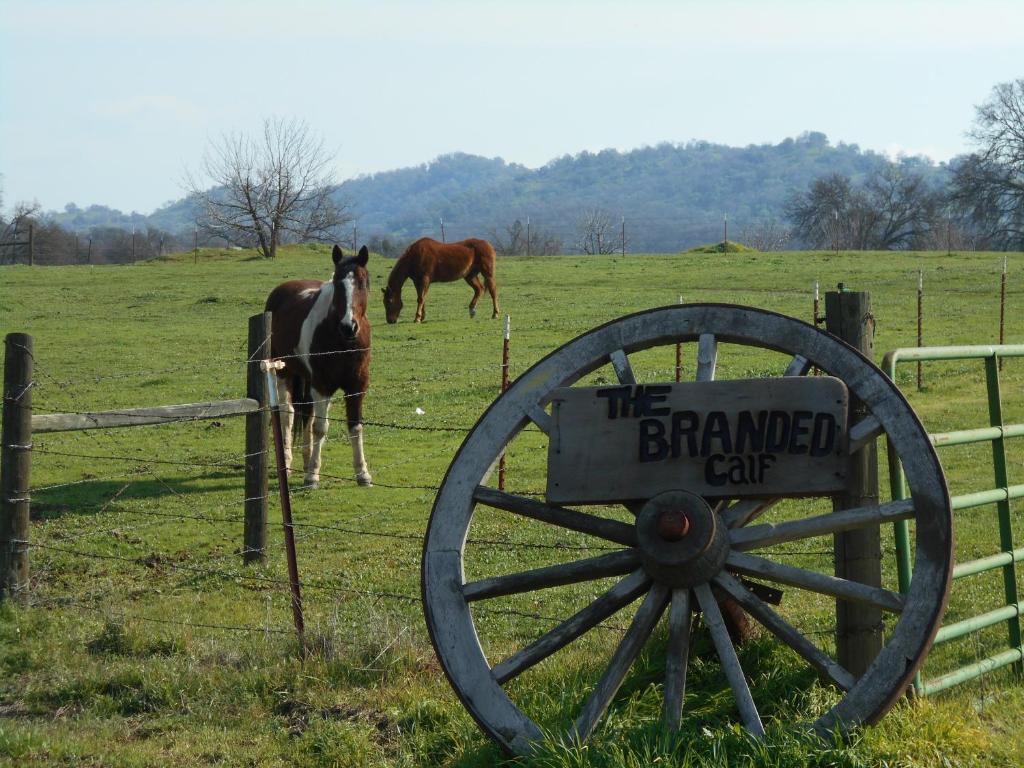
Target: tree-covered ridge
point(672, 196)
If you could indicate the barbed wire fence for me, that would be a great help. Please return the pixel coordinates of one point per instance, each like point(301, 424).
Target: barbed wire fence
point(124, 545)
point(122, 470)
point(169, 585)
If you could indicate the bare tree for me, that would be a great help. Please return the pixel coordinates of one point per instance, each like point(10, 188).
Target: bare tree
point(766, 235)
point(815, 213)
point(903, 208)
point(520, 240)
point(894, 209)
point(268, 190)
point(15, 230)
point(596, 233)
point(988, 185)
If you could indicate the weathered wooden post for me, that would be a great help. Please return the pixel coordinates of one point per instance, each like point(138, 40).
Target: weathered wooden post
point(15, 464)
point(504, 386)
point(858, 553)
point(269, 367)
point(257, 456)
point(679, 355)
point(920, 324)
point(1002, 310)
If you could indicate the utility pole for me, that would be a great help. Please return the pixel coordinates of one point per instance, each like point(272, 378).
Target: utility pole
point(835, 230)
point(623, 235)
point(442, 230)
point(725, 233)
point(527, 235)
point(195, 244)
point(133, 242)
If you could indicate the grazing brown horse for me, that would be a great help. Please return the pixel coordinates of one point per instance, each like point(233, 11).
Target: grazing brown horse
point(320, 332)
point(427, 261)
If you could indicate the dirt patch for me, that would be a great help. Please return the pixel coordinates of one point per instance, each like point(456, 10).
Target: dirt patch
point(298, 715)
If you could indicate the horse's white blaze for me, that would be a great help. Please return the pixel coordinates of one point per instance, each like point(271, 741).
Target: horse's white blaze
point(349, 283)
point(316, 316)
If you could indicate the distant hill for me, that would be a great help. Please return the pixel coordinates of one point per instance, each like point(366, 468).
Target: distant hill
point(672, 196)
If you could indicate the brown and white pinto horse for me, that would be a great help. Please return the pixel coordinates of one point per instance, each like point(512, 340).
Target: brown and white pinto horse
point(321, 333)
point(427, 261)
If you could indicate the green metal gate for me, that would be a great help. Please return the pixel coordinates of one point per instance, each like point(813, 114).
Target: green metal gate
point(1007, 556)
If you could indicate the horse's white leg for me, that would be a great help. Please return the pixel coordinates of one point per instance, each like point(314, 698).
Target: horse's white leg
point(307, 444)
point(287, 410)
point(354, 413)
point(320, 422)
point(355, 436)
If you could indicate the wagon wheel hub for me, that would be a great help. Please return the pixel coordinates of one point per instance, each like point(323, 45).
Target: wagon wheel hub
point(673, 524)
point(681, 542)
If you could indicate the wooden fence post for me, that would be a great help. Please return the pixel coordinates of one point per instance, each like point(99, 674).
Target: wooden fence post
point(858, 553)
point(257, 459)
point(15, 464)
point(504, 386)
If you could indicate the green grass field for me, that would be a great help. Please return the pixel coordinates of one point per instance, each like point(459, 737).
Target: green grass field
point(145, 641)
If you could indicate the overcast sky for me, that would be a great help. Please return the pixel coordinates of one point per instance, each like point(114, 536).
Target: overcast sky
point(108, 102)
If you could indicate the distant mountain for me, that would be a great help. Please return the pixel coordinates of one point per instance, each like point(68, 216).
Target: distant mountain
point(672, 196)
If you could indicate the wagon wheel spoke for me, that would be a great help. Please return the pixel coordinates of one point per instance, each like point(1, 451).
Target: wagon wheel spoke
point(623, 370)
point(616, 598)
point(624, 373)
point(730, 662)
point(863, 432)
point(742, 512)
point(813, 581)
point(632, 643)
point(834, 522)
point(677, 656)
point(787, 633)
point(798, 366)
point(707, 357)
point(587, 569)
point(541, 418)
point(603, 528)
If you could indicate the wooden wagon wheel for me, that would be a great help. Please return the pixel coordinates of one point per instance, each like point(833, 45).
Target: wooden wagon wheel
point(727, 540)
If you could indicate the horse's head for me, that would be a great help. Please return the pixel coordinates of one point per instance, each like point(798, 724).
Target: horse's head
point(351, 287)
point(392, 303)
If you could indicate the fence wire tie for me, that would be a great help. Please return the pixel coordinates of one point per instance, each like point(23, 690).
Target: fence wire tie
point(24, 391)
point(16, 447)
point(17, 500)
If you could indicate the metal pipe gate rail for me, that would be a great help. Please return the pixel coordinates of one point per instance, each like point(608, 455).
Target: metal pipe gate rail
point(1008, 556)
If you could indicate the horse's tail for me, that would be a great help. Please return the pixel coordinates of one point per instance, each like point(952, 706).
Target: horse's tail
point(303, 402)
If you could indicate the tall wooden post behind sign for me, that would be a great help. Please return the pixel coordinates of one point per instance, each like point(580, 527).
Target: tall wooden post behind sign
point(858, 553)
point(16, 461)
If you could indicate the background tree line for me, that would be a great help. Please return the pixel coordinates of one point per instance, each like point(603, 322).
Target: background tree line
point(29, 234)
point(276, 188)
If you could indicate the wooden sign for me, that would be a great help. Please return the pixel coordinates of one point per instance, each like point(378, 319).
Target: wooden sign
point(754, 437)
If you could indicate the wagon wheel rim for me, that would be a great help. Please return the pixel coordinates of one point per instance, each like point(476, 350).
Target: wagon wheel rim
point(447, 606)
